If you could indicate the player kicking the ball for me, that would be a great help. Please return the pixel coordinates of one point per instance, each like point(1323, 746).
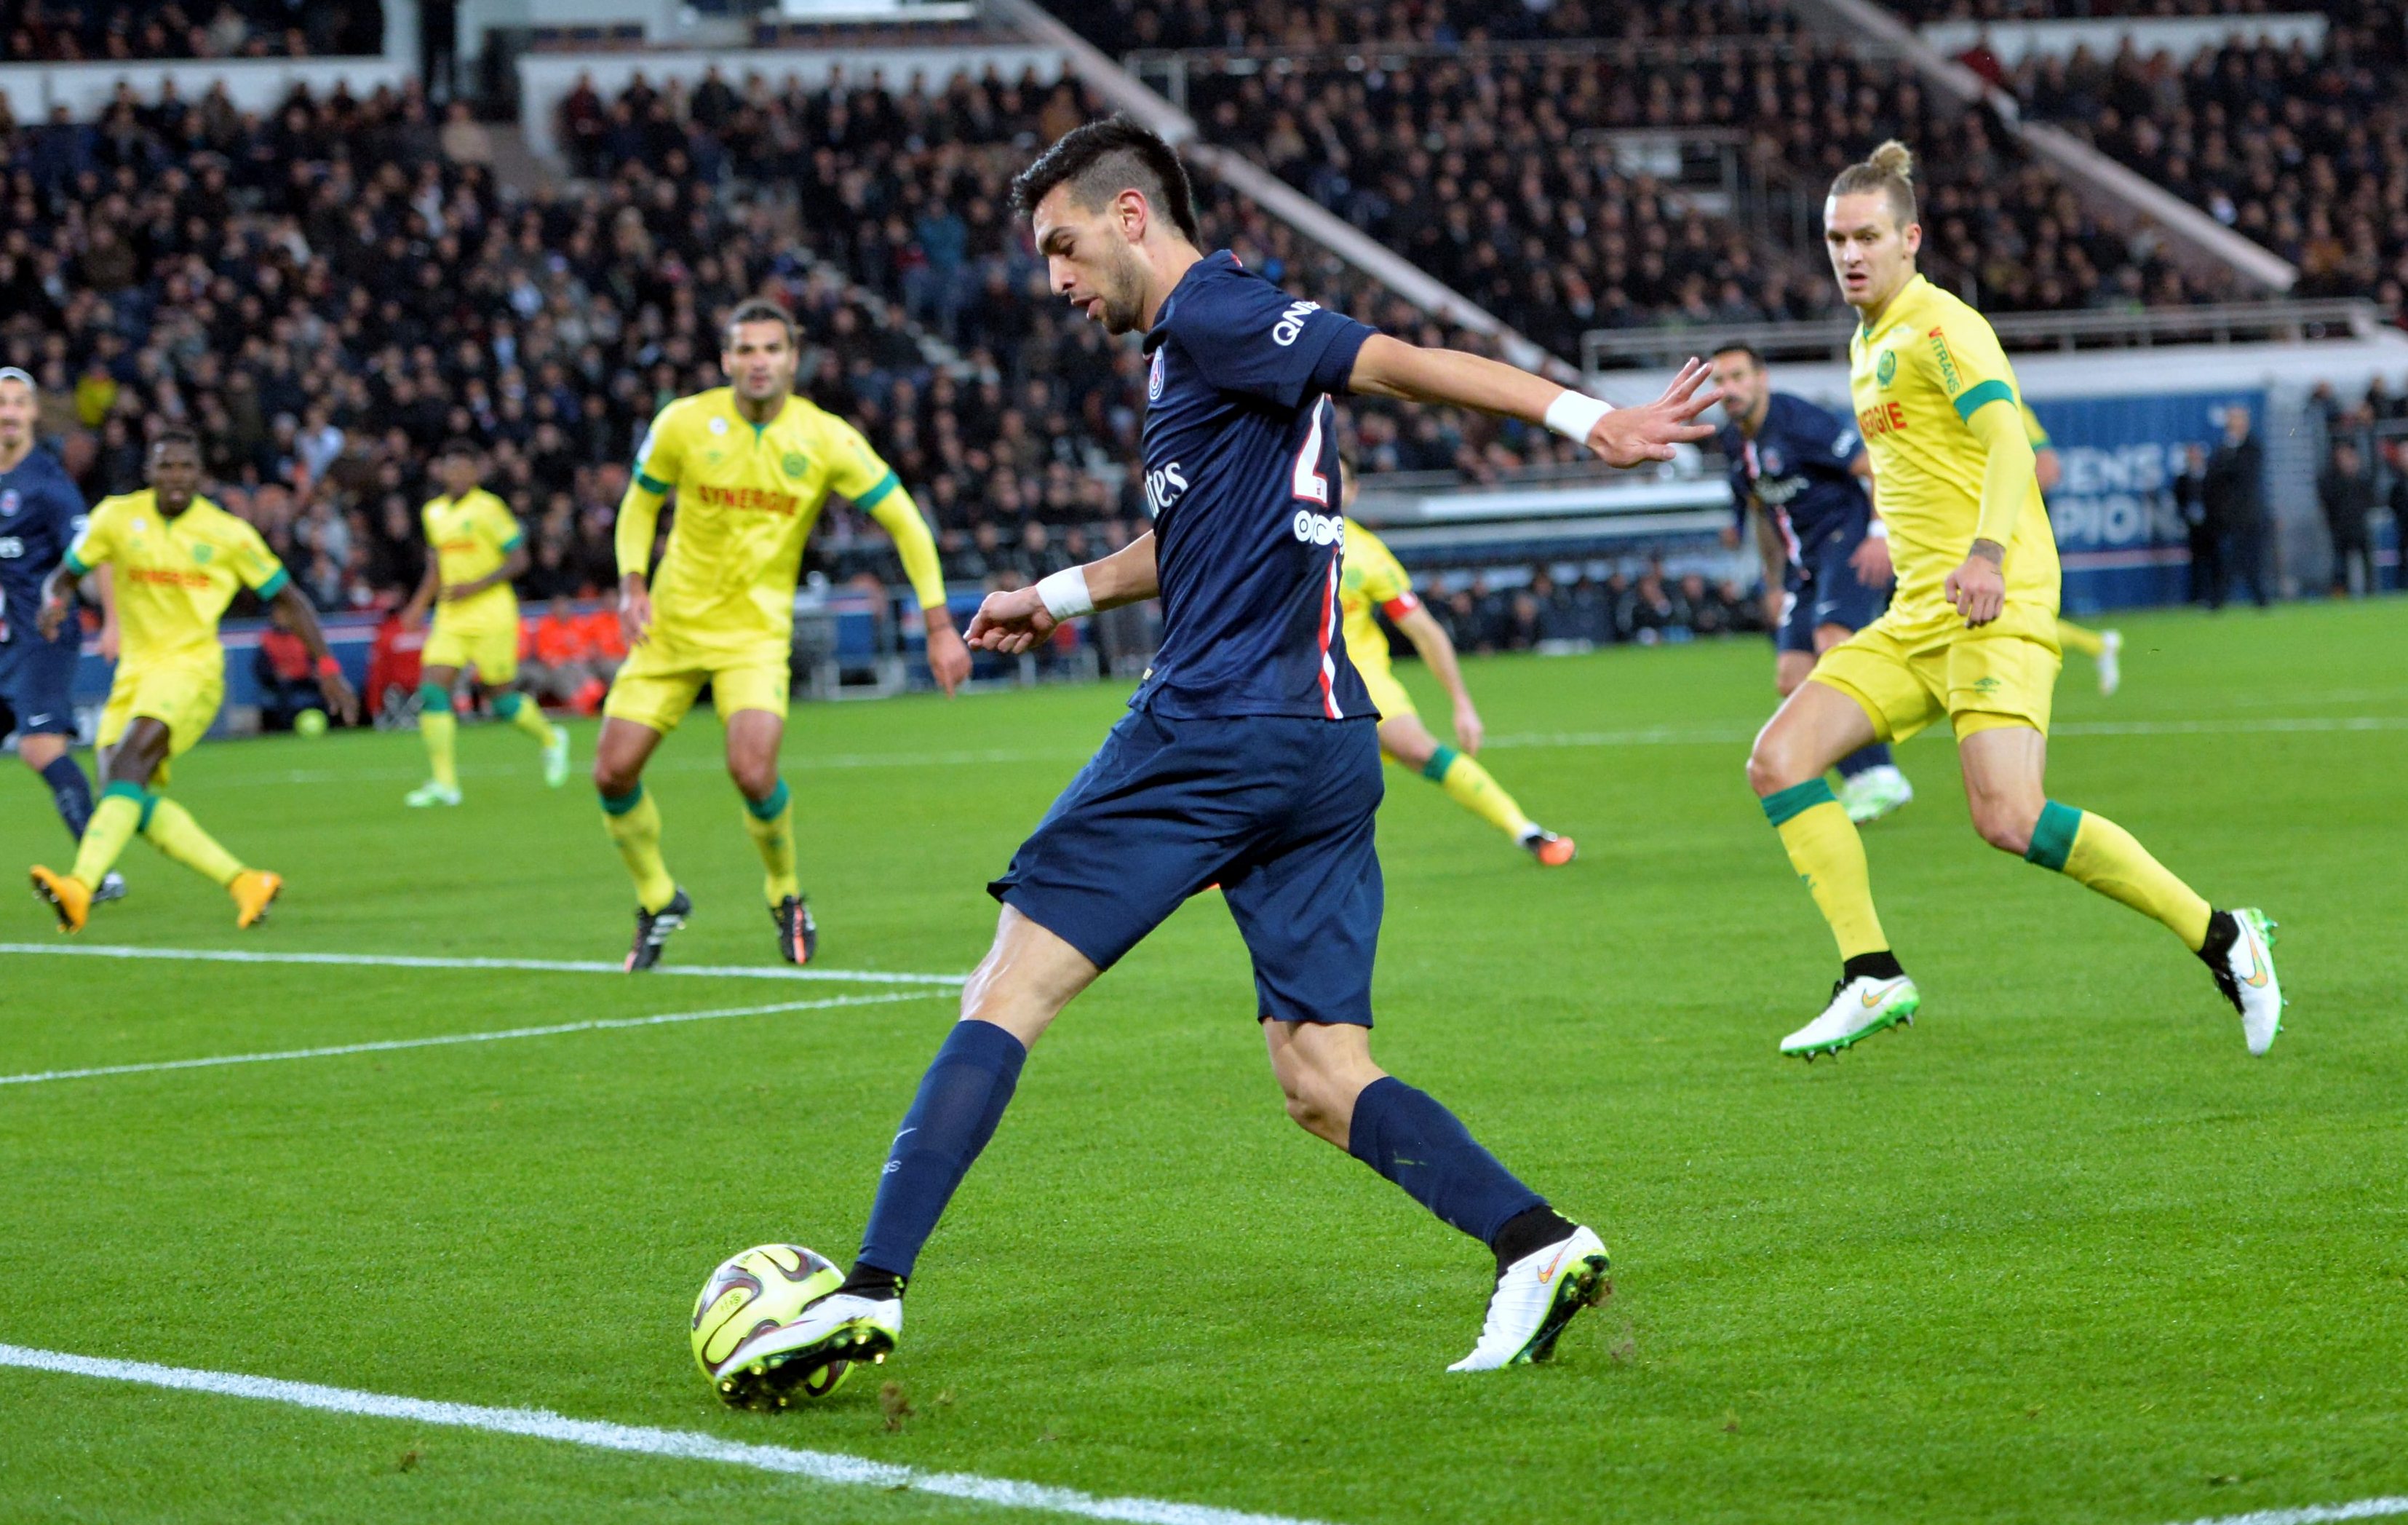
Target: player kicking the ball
point(1970, 637)
point(1248, 758)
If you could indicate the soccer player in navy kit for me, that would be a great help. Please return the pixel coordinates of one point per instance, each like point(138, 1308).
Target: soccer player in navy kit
point(1248, 758)
point(41, 514)
point(1805, 474)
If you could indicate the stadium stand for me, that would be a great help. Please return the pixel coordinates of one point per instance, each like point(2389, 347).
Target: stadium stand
point(67, 31)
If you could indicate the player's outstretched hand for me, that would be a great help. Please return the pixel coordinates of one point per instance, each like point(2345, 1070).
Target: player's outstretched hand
point(634, 611)
point(1871, 564)
point(1469, 731)
point(949, 660)
point(340, 697)
point(1633, 435)
point(1011, 623)
point(53, 614)
point(1978, 589)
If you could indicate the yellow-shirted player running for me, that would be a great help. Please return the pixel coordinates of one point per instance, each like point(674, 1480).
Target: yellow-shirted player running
point(750, 464)
point(178, 559)
point(474, 548)
point(1971, 636)
point(2105, 647)
point(1371, 578)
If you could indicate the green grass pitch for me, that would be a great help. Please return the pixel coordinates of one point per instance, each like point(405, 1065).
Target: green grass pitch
point(2061, 1251)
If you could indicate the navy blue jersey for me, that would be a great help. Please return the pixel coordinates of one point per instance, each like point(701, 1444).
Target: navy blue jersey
point(41, 514)
point(1241, 480)
point(1797, 469)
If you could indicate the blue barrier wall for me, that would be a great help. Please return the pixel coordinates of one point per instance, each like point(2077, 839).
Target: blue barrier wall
point(2121, 538)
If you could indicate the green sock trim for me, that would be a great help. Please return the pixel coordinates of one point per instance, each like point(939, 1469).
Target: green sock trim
point(620, 804)
point(2053, 837)
point(771, 808)
point(140, 796)
point(1796, 800)
point(434, 696)
point(1440, 760)
point(506, 706)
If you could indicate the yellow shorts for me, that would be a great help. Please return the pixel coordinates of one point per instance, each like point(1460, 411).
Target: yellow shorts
point(492, 650)
point(657, 686)
point(1905, 677)
point(1388, 696)
point(181, 692)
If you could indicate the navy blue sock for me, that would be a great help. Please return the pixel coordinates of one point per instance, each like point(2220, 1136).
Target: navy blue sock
point(961, 1098)
point(71, 791)
point(1875, 755)
point(1408, 1137)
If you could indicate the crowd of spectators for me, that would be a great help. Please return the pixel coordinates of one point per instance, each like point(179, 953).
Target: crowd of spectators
point(1121, 26)
point(1927, 11)
point(69, 31)
point(1577, 608)
point(2305, 153)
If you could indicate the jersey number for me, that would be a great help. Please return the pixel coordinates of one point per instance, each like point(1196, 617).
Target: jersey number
point(1312, 486)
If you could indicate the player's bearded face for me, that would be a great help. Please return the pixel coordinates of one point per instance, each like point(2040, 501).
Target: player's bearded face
point(1737, 379)
point(1091, 262)
point(16, 413)
point(759, 360)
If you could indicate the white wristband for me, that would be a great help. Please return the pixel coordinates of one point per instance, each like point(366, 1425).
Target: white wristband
point(1877, 531)
point(1066, 594)
point(1574, 414)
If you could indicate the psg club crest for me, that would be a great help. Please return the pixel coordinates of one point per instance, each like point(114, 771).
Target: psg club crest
point(1152, 379)
point(10, 500)
point(1773, 463)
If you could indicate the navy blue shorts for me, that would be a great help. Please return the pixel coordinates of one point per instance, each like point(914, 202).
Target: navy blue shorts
point(36, 683)
point(1277, 811)
point(1833, 594)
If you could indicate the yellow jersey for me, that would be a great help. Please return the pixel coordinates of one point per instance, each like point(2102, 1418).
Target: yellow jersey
point(1370, 577)
point(747, 497)
point(174, 577)
point(1917, 376)
point(471, 537)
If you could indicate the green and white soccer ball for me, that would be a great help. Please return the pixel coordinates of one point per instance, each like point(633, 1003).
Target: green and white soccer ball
point(754, 1292)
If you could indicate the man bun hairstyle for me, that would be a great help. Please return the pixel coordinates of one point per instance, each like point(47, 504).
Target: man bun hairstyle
point(759, 310)
point(1888, 169)
point(1101, 160)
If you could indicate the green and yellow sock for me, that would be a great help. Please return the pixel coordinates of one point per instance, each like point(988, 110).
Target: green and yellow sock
point(2095, 851)
point(1828, 853)
point(770, 822)
point(172, 831)
point(123, 809)
point(514, 708)
point(633, 823)
point(440, 729)
point(1468, 784)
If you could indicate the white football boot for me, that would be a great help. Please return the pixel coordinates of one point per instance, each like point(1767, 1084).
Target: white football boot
point(555, 758)
point(2110, 663)
point(2245, 974)
point(1874, 792)
point(431, 793)
point(1859, 1008)
point(1534, 1298)
point(809, 1356)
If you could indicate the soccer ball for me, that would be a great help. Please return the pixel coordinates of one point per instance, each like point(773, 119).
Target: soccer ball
point(310, 722)
point(765, 1286)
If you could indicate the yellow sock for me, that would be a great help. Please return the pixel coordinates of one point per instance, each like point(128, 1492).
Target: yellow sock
point(1469, 785)
point(1829, 854)
point(2098, 853)
point(633, 823)
point(172, 831)
point(526, 717)
point(113, 823)
point(770, 822)
point(2075, 638)
point(440, 729)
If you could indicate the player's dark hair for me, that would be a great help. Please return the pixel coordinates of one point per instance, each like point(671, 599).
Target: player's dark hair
point(1888, 169)
point(760, 310)
point(458, 445)
point(1101, 160)
point(175, 433)
point(1755, 355)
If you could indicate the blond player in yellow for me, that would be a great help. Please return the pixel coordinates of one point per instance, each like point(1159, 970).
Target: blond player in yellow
point(1971, 636)
point(178, 559)
point(1371, 578)
point(751, 464)
point(2105, 647)
point(474, 548)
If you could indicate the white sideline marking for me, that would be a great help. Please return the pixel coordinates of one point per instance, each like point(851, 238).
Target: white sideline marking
point(681, 1444)
point(384, 1044)
point(2315, 1514)
point(403, 960)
